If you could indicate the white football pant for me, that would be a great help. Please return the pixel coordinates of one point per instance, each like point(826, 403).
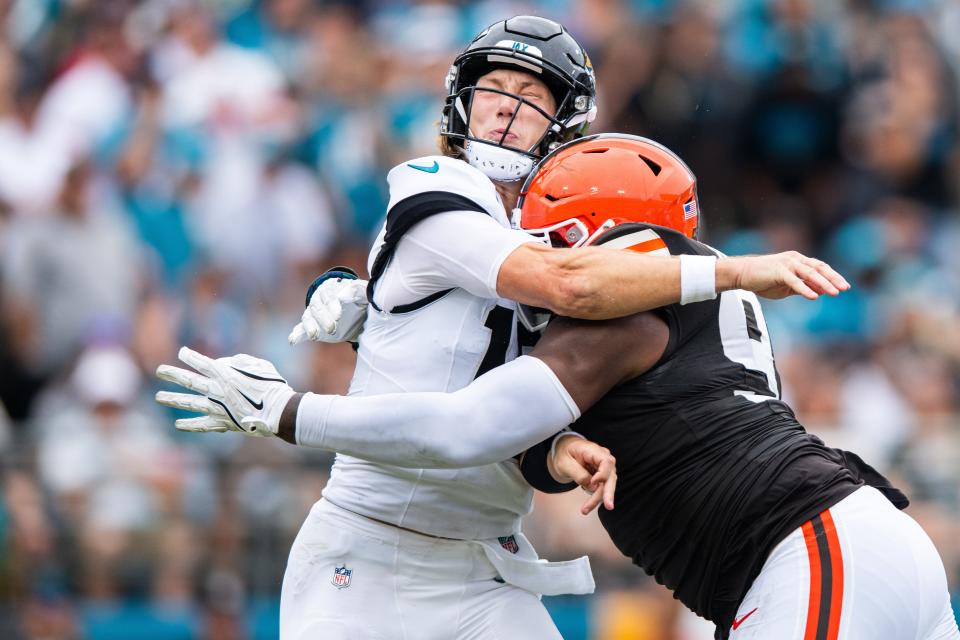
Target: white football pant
point(352, 578)
point(861, 570)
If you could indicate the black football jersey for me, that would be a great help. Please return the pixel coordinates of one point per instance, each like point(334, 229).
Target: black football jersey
point(713, 468)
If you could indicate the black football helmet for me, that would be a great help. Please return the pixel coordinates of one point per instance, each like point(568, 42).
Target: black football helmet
point(538, 46)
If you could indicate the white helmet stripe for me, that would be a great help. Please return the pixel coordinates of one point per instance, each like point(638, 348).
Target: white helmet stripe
point(632, 239)
point(514, 61)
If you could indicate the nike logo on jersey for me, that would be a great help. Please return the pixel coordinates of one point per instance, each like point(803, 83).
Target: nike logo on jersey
point(256, 405)
point(431, 169)
point(739, 621)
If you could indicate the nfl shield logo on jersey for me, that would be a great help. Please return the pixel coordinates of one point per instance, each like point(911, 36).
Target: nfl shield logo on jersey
point(341, 577)
point(509, 543)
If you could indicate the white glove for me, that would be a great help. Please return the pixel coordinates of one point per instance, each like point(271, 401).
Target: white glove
point(335, 313)
point(239, 393)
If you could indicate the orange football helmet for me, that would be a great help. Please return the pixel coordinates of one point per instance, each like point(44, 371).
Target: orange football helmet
point(590, 185)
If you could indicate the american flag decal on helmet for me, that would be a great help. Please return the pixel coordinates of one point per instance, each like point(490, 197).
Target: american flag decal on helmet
point(690, 210)
point(341, 577)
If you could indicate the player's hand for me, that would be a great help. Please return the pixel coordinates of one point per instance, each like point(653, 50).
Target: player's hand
point(780, 275)
point(576, 459)
point(336, 308)
point(239, 393)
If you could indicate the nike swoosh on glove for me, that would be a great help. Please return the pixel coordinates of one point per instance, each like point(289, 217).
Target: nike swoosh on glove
point(336, 309)
point(237, 393)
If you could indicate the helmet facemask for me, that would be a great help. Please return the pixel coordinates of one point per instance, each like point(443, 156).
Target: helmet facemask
point(570, 233)
point(500, 158)
point(545, 51)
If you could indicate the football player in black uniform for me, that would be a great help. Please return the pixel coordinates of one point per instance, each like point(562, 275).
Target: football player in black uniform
point(723, 497)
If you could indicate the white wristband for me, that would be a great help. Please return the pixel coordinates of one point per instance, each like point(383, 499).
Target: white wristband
point(698, 278)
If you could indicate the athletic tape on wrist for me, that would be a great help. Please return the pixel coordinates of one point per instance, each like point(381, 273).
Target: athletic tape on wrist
point(698, 278)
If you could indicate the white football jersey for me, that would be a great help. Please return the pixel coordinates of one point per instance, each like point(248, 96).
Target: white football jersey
point(435, 325)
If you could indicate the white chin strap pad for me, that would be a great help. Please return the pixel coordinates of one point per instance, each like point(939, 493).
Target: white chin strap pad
point(497, 163)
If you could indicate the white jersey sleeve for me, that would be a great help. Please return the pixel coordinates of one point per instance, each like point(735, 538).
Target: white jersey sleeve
point(453, 249)
point(508, 410)
point(457, 249)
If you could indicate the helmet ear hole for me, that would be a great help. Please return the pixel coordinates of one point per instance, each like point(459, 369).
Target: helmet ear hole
point(654, 167)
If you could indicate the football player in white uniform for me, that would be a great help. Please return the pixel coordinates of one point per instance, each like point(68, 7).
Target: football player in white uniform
point(438, 553)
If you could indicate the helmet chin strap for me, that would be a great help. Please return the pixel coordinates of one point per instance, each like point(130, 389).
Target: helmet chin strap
point(497, 163)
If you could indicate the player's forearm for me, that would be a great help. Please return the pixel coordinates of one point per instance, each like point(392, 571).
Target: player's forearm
point(477, 425)
point(597, 283)
point(609, 283)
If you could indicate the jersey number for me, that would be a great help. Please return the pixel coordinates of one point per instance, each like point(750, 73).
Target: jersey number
point(746, 341)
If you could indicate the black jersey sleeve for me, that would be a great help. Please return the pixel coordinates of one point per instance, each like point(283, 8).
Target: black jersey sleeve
point(533, 466)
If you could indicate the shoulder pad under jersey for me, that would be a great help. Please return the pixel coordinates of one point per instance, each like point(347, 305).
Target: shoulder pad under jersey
point(441, 173)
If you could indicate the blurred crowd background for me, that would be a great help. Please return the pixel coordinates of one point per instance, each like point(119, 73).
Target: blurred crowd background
point(177, 171)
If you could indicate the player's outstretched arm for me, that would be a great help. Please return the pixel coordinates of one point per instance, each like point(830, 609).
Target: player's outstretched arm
point(494, 418)
point(499, 414)
point(599, 283)
point(475, 425)
point(246, 394)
